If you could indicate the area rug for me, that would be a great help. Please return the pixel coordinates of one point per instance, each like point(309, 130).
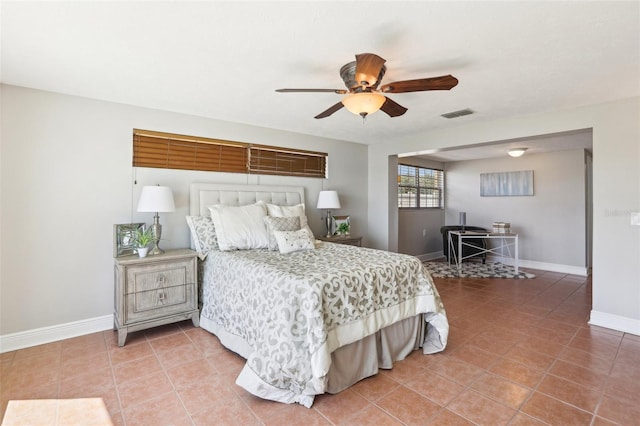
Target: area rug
point(474, 270)
point(78, 411)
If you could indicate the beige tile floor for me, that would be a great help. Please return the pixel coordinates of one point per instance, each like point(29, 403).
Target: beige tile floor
point(520, 353)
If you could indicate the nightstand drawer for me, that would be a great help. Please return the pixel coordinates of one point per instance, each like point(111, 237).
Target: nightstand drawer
point(159, 302)
point(150, 276)
point(153, 291)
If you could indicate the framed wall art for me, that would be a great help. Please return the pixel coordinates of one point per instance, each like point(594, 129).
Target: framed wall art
point(506, 184)
point(123, 238)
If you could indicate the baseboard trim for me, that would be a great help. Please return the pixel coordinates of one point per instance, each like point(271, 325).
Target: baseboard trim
point(543, 266)
point(40, 336)
point(430, 256)
point(615, 322)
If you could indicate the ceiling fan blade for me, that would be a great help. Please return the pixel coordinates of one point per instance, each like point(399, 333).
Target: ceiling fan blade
point(368, 67)
point(329, 111)
point(445, 82)
point(338, 91)
point(392, 108)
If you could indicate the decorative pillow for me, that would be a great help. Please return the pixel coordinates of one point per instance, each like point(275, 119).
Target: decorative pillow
point(240, 227)
point(203, 234)
point(288, 211)
point(280, 224)
point(290, 241)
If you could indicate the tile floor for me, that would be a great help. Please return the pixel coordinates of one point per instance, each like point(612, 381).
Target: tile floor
point(520, 353)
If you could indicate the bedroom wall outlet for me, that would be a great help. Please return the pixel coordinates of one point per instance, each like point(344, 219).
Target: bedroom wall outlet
point(424, 232)
point(635, 218)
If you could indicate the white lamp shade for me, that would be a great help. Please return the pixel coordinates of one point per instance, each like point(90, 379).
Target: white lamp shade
point(363, 103)
point(328, 200)
point(156, 199)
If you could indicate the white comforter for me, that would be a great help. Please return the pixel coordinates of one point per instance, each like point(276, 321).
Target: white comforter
point(287, 313)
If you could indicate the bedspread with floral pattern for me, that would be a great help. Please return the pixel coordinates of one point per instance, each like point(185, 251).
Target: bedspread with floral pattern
point(293, 310)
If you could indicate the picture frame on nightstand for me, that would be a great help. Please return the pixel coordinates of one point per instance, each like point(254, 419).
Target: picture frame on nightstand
point(336, 221)
point(123, 241)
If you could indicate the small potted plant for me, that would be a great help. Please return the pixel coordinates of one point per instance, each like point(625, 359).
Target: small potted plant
point(343, 229)
point(142, 238)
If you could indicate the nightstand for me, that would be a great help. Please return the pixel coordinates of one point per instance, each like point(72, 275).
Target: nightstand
point(155, 290)
point(339, 239)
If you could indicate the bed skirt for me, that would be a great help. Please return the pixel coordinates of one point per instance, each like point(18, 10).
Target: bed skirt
point(350, 363)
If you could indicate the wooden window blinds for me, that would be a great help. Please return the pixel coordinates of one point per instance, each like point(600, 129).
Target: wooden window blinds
point(171, 151)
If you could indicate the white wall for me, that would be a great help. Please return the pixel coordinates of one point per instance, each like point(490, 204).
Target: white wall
point(66, 179)
point(616, 192)
point(550, 224)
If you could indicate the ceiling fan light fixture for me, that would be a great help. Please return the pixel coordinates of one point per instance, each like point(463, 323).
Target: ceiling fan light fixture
point(517, 152)
point(363, 97)
point(363, 103)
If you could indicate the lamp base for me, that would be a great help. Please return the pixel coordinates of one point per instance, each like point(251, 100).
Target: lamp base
point(156, 250)
point(157, 233)
point(329, 224)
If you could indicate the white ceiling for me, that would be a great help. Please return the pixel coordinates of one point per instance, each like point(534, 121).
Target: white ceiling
point(225, 59)
point(578, 139)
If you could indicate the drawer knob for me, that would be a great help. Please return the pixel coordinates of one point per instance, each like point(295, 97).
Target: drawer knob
point(161, 294)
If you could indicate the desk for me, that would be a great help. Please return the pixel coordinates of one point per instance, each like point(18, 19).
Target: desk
point(506, 241)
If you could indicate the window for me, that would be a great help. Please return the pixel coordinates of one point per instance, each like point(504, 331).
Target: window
point(420, 187)
point(171, 151)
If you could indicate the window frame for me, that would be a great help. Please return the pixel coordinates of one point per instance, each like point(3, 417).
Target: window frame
point(421, 190)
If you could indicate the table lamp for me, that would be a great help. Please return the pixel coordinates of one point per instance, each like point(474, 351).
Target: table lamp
point(463, 220)
point(328, 200)
point(158, 199)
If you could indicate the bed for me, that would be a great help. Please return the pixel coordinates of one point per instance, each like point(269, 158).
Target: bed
point(308, 320)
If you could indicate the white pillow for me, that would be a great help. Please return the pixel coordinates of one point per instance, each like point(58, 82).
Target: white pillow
point(290, 241)
point(240, 227)
point(288, 211)
point(280, 224)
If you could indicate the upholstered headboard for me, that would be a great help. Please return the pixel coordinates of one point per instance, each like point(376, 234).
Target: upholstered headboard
point(203, 195)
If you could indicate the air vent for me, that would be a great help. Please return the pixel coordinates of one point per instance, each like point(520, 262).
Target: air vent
point(456, 114)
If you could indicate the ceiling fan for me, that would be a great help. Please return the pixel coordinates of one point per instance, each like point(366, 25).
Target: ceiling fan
point(363, 97)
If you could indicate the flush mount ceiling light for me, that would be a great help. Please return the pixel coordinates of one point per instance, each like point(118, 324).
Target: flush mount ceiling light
point(517, 152)
point(363, 103)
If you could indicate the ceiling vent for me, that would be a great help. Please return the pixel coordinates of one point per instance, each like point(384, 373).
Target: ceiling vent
point(456, 114)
